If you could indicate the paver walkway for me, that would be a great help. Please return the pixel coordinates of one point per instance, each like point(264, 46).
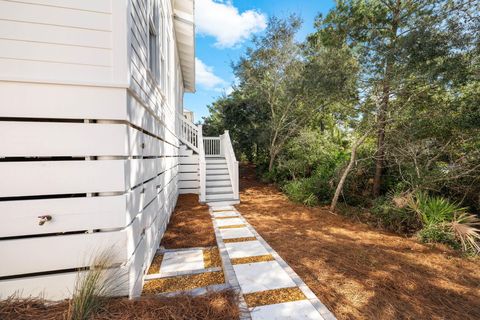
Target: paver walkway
point(253, 267)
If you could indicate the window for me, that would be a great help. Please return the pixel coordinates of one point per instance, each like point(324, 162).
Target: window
point(162, 51)
point(153, 50)
point(169, 67)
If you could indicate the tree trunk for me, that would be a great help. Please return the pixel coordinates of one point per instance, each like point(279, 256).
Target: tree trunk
point(347, 171)
point(382, 112)
point(270, 164)
point(380, 154)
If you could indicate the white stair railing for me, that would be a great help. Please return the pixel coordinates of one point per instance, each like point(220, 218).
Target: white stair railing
point(189, 133)
point(232, 163)
point(213, 147)
point(202, 167)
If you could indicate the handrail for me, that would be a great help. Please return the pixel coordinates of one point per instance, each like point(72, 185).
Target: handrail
point(189, 133)
point(202, 168)
point(213, 146)
point(232, 163)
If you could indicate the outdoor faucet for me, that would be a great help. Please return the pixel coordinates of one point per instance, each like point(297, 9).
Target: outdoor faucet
point(44, 219)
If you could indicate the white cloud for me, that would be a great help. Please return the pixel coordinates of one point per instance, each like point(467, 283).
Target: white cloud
point(205, 76)
point(224, 22)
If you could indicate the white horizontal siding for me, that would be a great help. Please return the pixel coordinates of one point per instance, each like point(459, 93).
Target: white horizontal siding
point(67, 60)
point(76, 42)
point(70, 251)
point(22, 31)
point(87, 5)
point(38, 100)
point(41, 139)
point(59, 16)
point(61, 177)
point(55, 53)
point(61, 285)
point(20, 217)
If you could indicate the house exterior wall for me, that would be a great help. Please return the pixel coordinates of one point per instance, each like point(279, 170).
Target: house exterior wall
point(88, 136)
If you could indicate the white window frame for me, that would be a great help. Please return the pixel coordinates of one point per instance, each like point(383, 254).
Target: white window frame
point(163, 62)
point(153, 49)
point(169, 67)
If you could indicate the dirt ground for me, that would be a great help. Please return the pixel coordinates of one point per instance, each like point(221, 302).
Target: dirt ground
point(190, 225)
point(359, 272)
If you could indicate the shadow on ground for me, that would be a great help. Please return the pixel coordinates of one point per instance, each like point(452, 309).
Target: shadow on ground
point(360, 272)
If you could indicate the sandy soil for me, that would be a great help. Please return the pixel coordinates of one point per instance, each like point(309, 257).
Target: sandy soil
point(360, 272)
point(190, 225)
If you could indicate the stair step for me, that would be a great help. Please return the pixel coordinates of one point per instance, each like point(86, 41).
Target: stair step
point(216, 171)
point(219, 189)
point(215, 160)
point(219, 196)
point(218, 177)
point(185, 152)
point(216, 166)
point(219, 183)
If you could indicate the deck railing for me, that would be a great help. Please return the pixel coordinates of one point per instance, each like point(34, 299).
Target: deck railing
point(192, 136)
point(202, 167)
point(189, 133)
point(232, 163)
point(213, 147)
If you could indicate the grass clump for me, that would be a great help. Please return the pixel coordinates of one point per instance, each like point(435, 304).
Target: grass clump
point(93, 286)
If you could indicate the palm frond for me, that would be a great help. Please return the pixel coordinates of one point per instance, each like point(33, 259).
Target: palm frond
point(466, 229)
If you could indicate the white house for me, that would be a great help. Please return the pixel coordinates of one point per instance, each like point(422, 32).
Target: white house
point(94, 147)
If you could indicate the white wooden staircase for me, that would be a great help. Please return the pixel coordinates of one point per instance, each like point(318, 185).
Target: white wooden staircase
point(217, 165)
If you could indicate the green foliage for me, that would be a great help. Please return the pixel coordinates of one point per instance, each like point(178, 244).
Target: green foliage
point(433, 210)
point(301, 191)
point(311, 151)
point(390, 214)
point(438, 233)
point(446, 222)
point(299, 107)
point(242, 117)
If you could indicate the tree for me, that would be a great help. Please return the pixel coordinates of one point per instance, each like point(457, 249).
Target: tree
point(393, 39)
point(270, 74)
point(243, 118)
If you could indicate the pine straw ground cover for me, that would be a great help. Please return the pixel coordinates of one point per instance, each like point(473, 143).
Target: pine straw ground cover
point(214, 306)
point(360, 272)
point(190, 225)
point(183, 283)
point(262, 298)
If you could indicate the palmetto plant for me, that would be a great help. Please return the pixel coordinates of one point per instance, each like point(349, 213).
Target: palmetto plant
point(466, 229)
point(433, 210)
point(439, 213)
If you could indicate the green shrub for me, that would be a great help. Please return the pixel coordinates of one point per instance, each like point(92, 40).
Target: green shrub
point(433, 210)
point(446, 222)
point(301, 191)
point(438, 233)
point(311, 200)
point(393, 217)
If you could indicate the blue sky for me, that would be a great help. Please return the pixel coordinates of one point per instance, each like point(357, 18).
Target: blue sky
point(223, 29)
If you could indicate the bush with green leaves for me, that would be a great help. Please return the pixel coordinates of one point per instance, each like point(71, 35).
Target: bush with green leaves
point(390, 213)
point(310, 153)
point(446, 222)
point(301, 191)
point(438, 233)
